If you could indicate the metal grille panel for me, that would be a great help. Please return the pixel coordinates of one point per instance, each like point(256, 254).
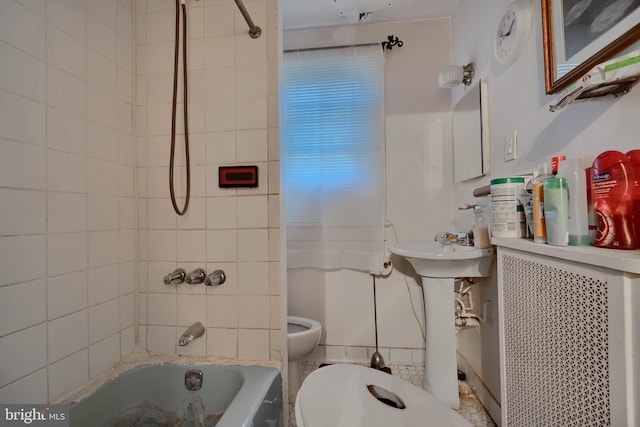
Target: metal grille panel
point(556, 346)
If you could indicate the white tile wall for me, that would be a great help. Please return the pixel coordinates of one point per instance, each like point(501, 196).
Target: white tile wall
point(86, 219)
point(68, 334)
point(103, 355)
point(222, 311)
point(22, 212)
point(22, 119)
point(66, 294)
point(22, 258)
point(66, 131)
point(67, 235)
point(103, 284)
point(22, 28)
point(102, 322)
point(68, 374)
point(21, 165)
point(29, 73)
point(66, 52)
point(32, 388)
point(222, 342)
point(13, 301)
point(253, 344)
point(23, 353)
point(252, 212)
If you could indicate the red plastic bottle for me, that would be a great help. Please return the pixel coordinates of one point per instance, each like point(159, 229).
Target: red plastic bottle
point(634, 158)
point(612, 191)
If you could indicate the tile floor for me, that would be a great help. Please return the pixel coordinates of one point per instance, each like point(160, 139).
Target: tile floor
point(470, 406)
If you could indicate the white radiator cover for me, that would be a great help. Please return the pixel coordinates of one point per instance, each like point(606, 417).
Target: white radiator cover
point(566, 343)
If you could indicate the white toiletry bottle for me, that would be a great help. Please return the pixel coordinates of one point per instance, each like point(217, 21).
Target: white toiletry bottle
point(556, 211)
point(573, 172)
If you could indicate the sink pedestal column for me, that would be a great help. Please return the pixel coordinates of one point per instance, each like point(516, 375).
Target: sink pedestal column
point(440, 367)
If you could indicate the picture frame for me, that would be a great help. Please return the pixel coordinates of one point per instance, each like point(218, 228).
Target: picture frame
point(580, 34)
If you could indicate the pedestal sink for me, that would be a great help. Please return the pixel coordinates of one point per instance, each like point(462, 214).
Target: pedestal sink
point(439, 265)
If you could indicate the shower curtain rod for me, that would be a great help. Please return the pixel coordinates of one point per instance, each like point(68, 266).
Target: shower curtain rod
point(344, 46)
point(254, 30)
point(387, 44)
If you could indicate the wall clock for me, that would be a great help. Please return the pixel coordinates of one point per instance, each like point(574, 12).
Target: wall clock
point(513, 31)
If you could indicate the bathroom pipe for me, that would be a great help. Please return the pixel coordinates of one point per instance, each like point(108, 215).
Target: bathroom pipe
point(254, 30)
point(419, 319)
point(463, 312)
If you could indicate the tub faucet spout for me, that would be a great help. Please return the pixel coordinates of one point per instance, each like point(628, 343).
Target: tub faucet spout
point(196, 330)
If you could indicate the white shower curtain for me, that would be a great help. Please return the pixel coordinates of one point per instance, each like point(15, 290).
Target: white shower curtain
point(333, 157)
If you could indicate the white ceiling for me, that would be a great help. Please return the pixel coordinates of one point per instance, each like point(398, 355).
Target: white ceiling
point(298, 14)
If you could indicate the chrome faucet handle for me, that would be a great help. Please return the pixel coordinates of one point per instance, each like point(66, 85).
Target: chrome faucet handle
point(196, 276)
point(216, 278)
point(466, 239)
point(175, 278)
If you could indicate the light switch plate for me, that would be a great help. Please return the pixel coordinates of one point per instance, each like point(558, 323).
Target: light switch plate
point(510, 147)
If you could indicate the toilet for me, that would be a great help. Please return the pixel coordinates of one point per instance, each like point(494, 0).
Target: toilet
point(358, 396)
point(303, 336)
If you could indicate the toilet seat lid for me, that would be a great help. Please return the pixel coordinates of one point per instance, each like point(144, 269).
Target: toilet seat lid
point(337, 395)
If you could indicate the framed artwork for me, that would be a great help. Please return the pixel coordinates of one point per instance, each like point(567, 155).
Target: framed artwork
point(579, 34)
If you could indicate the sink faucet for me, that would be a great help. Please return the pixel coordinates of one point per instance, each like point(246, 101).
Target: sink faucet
point(446, 238)
point(196, 330)
point(460, 238)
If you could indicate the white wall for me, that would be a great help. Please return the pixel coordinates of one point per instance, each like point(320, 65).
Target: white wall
point(419, 196)
point(517, 102)
point(67, 194)
point(233, 120)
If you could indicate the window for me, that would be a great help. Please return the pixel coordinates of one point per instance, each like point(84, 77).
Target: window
point(332, 145)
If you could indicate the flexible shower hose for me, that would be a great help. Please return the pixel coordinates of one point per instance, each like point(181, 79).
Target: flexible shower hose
point(174, 107)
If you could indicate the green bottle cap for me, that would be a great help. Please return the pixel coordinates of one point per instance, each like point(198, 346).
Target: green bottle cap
point(509, 180)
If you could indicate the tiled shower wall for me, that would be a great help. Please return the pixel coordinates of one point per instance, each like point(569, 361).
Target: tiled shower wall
point(72, 197)
point(67, 209)
point(233, 120)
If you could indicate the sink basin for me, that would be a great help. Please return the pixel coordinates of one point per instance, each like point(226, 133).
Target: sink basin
point(433, 259)
point(439, 265)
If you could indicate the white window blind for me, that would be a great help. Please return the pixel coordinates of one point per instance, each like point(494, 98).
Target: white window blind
point(333, 157)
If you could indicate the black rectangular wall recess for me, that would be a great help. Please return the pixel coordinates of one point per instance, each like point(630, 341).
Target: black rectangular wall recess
point(237, 176)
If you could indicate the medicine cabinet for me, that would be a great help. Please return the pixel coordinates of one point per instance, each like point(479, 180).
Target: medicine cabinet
point(471, 134)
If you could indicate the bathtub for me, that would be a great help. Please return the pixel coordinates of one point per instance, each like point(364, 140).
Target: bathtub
point(230, 396)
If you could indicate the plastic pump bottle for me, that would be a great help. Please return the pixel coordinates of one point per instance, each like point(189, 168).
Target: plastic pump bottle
point(573, 171)
point(556, 211)
point(537, 190)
